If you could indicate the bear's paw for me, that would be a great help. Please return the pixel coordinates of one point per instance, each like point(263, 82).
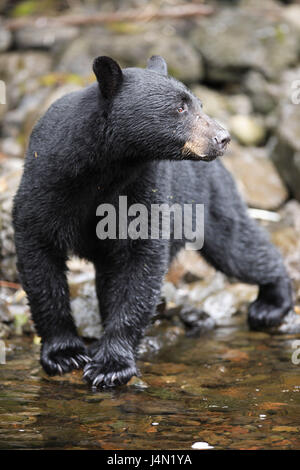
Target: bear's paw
point(62, 355)
point(106, 371)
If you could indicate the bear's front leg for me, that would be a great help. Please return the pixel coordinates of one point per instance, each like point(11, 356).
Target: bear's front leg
point(128, 286)
point(42, 271)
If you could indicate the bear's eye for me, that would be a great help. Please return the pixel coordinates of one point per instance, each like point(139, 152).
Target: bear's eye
point(182, 108)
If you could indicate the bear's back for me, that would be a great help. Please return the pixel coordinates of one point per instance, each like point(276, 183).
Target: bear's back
point(65, 122)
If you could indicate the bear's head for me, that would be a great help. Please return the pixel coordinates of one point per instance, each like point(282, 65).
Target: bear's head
point(154, 116)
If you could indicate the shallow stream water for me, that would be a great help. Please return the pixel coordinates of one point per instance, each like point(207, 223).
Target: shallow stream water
point(231, 389)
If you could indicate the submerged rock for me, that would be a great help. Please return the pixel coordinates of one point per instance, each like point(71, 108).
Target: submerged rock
point(197, 321)
point(160, 335)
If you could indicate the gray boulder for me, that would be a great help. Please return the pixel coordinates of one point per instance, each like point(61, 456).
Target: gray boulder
point(239, 39)
point(5, 38)
point(286, 152)
point(256, 176)
point(133, 50)
point(45, 37)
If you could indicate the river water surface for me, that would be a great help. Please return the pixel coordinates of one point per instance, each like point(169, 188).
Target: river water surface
point(231, 389)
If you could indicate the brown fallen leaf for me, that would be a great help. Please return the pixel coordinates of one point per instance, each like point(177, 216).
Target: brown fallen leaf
point(250, 448)
point(235, 355)
point(285, 429)
point(233, 392)
point(151, 429)
point(234, 430)
point(271, 406)
point(282, 444)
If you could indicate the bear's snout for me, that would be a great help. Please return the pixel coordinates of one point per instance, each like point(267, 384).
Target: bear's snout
point(207, 140)
point(221, 139)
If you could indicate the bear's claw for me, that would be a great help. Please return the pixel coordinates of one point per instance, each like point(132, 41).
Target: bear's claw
point(94, 374)
point(60, 357)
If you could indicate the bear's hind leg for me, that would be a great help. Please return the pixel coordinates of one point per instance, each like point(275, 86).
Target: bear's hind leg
point(237, 246)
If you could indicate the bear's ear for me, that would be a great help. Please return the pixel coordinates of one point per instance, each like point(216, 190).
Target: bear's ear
point(109, 75)
point(157, 64)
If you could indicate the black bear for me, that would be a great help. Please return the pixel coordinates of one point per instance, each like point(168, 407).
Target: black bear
point(142, 134)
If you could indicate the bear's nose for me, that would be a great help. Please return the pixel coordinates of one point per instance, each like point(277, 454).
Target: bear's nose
point(222, 139)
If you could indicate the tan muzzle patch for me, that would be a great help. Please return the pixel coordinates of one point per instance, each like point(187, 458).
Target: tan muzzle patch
point(193, 147)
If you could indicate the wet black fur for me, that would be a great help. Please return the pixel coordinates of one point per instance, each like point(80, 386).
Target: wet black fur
point(125, 138)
